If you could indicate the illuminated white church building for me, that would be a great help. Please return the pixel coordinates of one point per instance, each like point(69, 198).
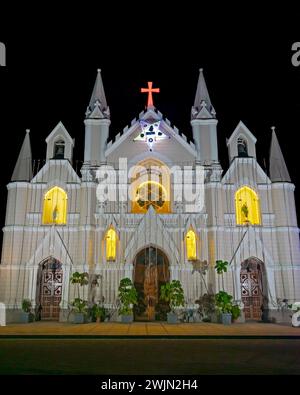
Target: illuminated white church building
point(56, 222)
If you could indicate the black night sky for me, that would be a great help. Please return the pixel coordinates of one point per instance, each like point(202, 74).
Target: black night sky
point(52, 60)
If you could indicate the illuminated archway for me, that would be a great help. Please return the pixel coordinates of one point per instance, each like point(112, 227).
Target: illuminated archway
point(247, 207)
point(191, 245)
point(55, 206)
point(150, 186)
point(111, 244)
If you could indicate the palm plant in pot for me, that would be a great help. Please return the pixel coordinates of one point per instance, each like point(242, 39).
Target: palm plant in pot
point(224, 301)
point(128, 298)
point(79, 306)
point(173, 294)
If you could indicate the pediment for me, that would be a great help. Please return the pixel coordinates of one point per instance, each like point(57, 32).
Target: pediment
point(151, 231)
point(56, 170)
point(128, 145)
point(51, 245)
point(60, 131)
point(244, 171)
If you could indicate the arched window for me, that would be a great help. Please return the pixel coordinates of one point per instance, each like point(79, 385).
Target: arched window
point(191, 247)
point(55, 206)
point(242, 147)
point(247, 207)
point(111, 245)
point(59, 149)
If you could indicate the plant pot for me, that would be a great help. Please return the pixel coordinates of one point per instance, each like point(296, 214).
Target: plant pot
point(24, 317)
point(78, 318)
point(215, 318)
point(127, 319)
point(172, 318)
point(226, 318)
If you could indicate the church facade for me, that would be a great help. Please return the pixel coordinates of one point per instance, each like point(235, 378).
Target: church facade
point(151, 206)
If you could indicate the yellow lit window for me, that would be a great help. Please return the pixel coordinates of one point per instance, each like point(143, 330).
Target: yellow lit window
point(55, 206)
point(191, 249)
point(150, 186)
point(151, 193)
point(247, 207)
point(111, 245)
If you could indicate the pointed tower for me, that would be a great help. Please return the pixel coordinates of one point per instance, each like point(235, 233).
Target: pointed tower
point(23, 167)
point(96, 126)
point(278, 169)
point(204, 124)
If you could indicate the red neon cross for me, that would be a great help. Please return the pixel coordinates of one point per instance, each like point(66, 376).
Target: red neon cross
point(150, 91)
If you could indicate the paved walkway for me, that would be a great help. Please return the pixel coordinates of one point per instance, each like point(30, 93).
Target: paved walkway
point(151, 329)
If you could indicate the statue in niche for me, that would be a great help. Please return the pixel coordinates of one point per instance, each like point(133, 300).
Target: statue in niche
point(59, 150)
point(55, 214)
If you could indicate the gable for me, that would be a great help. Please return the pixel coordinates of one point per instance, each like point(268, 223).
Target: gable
point(143, 236)
point(59, 133)
point(53, 243)
point(241, 131)
point(245, 171)
point(56, 170)
point(129, 145)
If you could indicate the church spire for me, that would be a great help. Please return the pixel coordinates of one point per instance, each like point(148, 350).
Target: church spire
point(23, 167)
point(278, 169)
point(202, 106)
point(97, 107)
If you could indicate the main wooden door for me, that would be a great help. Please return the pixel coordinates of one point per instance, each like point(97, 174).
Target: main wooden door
point(151, 271)
point(252, 289)
point(50, 289)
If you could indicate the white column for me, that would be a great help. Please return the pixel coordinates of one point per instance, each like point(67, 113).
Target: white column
point(2, 314)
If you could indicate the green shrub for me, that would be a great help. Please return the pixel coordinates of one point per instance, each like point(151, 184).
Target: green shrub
point(128, 296)
point(26, 305)
point(173, 294)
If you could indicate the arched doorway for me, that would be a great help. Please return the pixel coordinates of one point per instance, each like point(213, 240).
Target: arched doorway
point(253, 288)
point(151, 271)
point(49, 289)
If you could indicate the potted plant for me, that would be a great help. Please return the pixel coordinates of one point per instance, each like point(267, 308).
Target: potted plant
point(26, 314)
point(224, 305)
point(224, 301)
point(229, 311)
point(207, 307)
point(98, 313)
point(235, 312)
point(79, 308)
point(128, 298)
point(172, 293)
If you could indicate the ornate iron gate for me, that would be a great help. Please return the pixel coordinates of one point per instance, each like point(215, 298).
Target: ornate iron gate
point(51, 278)
point(252, 289)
